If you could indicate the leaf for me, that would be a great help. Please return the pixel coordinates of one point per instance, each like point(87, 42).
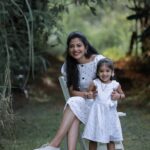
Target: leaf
point(93, 10)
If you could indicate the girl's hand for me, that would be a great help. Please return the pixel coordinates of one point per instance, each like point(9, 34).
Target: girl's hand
point(115, 95)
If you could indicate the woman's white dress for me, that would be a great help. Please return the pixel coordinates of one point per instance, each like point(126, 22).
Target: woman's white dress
point(87, 72)
point(103, 124)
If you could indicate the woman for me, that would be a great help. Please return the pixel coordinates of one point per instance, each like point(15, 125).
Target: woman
point(79, 70)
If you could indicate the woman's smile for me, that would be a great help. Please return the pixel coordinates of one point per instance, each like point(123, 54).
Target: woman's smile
point(77, 49)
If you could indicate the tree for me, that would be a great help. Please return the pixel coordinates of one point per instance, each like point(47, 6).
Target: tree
point(141, 16)
point(25, 27)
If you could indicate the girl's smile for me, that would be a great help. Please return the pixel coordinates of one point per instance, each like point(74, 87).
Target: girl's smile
point(105, 73)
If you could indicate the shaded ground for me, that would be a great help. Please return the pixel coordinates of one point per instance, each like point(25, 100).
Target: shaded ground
point(135, 80)
point(37, 123)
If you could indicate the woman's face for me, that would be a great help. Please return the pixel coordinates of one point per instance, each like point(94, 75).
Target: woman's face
point(77, 49)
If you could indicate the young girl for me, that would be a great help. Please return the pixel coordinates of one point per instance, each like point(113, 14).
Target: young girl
point(103, 123)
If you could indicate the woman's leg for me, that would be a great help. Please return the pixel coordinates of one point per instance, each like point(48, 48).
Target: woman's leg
point(111, 146)
point(73, 134)
point(92, 145)
point(67, 120)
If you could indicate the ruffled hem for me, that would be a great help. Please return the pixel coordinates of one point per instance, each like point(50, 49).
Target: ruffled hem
point(103, 140)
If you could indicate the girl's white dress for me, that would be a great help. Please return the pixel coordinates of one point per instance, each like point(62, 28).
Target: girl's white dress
point(103, 124)
point(87, 72)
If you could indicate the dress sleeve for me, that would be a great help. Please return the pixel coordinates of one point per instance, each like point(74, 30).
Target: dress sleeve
point(115, 84)
point(95, 82)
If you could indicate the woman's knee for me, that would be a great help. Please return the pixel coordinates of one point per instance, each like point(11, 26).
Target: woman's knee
point(76, 121)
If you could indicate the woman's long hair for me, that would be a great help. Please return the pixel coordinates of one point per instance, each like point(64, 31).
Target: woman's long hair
point(72, 70)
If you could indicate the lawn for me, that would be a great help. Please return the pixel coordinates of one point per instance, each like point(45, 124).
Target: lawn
point(37, 122)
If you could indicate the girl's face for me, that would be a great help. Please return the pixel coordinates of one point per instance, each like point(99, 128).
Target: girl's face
point(105, 73)
point(77, 49)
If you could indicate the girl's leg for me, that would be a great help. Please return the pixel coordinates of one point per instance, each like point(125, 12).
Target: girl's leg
point(73, 134)
point(111, 146)
point(67, 120)
point(92, 145)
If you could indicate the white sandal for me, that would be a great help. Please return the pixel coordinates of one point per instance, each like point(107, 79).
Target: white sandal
point(47, 147)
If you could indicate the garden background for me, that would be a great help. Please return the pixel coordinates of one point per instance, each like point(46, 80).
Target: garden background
point(32, 49)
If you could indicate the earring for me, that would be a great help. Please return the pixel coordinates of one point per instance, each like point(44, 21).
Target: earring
point(113, 74)
point(85, 52)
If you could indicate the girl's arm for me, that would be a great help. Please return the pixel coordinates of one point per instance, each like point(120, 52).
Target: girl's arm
point(118, 94)
point(120, 91)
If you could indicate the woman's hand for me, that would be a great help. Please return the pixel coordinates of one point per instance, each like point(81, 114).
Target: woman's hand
point(115, 95)
point(92, 91)
point(94, 94)
point(90, 94)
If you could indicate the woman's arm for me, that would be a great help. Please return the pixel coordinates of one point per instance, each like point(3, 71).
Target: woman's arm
point(92, 87)
point(89, 94)
point(76, 93)
point(118, 94)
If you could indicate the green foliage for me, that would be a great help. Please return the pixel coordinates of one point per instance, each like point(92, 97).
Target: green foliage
point(25, 28)
point(141, 35)
point(109, 29)
point(113, 53)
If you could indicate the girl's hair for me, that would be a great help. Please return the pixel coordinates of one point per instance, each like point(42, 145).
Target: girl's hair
point(71, 63)
point(107, 62)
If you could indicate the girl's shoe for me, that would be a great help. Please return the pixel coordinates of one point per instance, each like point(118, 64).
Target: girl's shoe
point(47, 147)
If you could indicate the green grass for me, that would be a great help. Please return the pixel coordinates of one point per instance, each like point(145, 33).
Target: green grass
point(136, 129)
point(37, 122)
